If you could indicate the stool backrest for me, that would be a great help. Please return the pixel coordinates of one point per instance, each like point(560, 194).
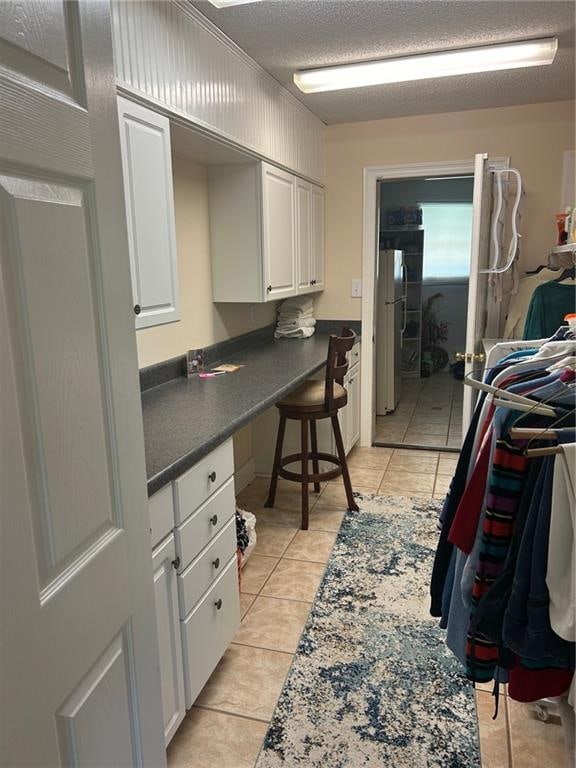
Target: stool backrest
point(337, 362)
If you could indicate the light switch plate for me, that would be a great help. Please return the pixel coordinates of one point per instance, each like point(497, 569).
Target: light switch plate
point(356, 288)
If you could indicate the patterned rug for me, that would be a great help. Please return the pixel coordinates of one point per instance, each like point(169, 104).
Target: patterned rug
point(372, 683)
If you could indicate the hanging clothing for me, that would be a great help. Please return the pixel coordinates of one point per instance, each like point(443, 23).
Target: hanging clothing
point(491, 571)
point(520, 301)
point(549, 304)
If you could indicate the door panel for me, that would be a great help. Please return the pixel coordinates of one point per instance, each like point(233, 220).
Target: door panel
point(103, 696)
point(303, 235)
point(279, 233)
point(318, 237)
point(79, 657)
point(478, 283)
point(147, 166)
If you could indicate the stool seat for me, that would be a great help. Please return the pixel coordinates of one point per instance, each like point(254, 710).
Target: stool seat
point(311, 395)
point(313, 401)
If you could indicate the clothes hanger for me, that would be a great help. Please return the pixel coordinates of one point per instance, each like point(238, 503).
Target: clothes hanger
point(509, 399)
point(546, 433)
point(567, 274)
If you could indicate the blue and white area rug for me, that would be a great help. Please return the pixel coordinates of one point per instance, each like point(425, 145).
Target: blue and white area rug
point(372, 683)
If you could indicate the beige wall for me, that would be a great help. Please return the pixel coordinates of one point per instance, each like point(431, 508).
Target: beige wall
point(533, 136)
point(202, 322)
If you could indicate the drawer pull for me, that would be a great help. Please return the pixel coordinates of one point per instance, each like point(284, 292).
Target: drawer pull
point(214, 519)
point(212, 477)
point(216, 563)
point(218, 604)
point(176, 563)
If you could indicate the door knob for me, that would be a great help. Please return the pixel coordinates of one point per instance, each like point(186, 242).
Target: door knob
point(460, 356)
point(137, 309)
point(479, 357)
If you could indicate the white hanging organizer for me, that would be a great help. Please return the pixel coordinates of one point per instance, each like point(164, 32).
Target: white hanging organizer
point(504, 177)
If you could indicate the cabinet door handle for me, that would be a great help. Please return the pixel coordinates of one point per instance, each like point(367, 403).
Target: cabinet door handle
point(212, 477)
point(269, 289)
point(176, 563)
point(216, 563)
point(218, 604)
point(214, 519)
point(137, 309)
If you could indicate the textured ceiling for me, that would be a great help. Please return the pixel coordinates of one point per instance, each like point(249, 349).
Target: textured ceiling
point(284, 35)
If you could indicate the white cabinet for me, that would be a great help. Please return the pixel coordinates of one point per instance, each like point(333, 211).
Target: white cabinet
point(278, 232)
point(266, 233)
point(317, 224)
point(304, 234)
point(169, 639)
point(147, 170)
point(309, 236)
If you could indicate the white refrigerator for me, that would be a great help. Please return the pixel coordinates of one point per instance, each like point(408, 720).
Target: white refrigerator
point(390, 325)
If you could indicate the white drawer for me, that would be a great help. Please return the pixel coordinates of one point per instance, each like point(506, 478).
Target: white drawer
point(201, 527)
point(200, 482)
point(161, 511)
point(202, 571)
point(208, 630)
point(354, 355)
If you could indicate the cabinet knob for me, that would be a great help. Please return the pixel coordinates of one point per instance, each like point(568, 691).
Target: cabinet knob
point(269, 289)
point(137, 309)
point(214, 519)
point(218, 604)
point(216, 563)
point(176, 563)
point(212, 477)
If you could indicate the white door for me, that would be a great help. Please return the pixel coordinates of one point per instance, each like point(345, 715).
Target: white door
point(147, 169)
point(354, 407)
point(304, 236)
point(318, 237)
point(169, 640)
point(79, 659)
point(279, 233)
point(478, 283)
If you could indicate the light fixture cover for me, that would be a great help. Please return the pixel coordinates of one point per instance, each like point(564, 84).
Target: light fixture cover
point(487, 58)
point(227, 3)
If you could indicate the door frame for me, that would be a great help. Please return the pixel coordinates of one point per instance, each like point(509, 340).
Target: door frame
point(372, 175)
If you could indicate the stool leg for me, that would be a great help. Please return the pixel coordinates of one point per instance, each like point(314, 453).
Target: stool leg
point(277, 460)
point(342, 456)
point(314, 446)
point(304, 481)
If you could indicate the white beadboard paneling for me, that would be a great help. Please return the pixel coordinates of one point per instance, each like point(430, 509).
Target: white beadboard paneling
point(170, 53)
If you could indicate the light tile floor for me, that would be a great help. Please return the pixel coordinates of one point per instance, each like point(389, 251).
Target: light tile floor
point(429, 413)
point(227, 725)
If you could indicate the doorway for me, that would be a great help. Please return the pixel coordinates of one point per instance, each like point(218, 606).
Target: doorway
point(481, 318)
point(421, 298)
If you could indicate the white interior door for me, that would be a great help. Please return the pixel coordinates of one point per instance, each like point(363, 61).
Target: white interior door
point(478, 284)
point(79, 659)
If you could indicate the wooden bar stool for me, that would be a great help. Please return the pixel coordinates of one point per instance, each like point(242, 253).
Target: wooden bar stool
point(308, 403)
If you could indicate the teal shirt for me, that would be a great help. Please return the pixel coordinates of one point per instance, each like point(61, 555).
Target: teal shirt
point(549, 303)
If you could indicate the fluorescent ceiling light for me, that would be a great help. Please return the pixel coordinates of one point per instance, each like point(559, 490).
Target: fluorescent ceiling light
point(227, 3)
point(529, 53)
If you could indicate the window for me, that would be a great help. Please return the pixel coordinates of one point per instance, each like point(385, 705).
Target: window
point(447, 237)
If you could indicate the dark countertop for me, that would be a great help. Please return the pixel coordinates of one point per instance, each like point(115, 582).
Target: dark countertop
point(185, 419)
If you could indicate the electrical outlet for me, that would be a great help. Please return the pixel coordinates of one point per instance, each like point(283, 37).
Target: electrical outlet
point(356, 288)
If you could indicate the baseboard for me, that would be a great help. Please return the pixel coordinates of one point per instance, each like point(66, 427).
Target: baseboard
point(244, 475)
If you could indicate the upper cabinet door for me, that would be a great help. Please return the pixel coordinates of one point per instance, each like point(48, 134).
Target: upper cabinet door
point(147, 168)
point(317, 228)
point(304, 235)
point(279, 233)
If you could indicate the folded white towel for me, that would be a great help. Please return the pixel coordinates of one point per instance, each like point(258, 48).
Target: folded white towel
point(294, 314)
point(296, 333)
point(286, 325)
point(303, 303)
